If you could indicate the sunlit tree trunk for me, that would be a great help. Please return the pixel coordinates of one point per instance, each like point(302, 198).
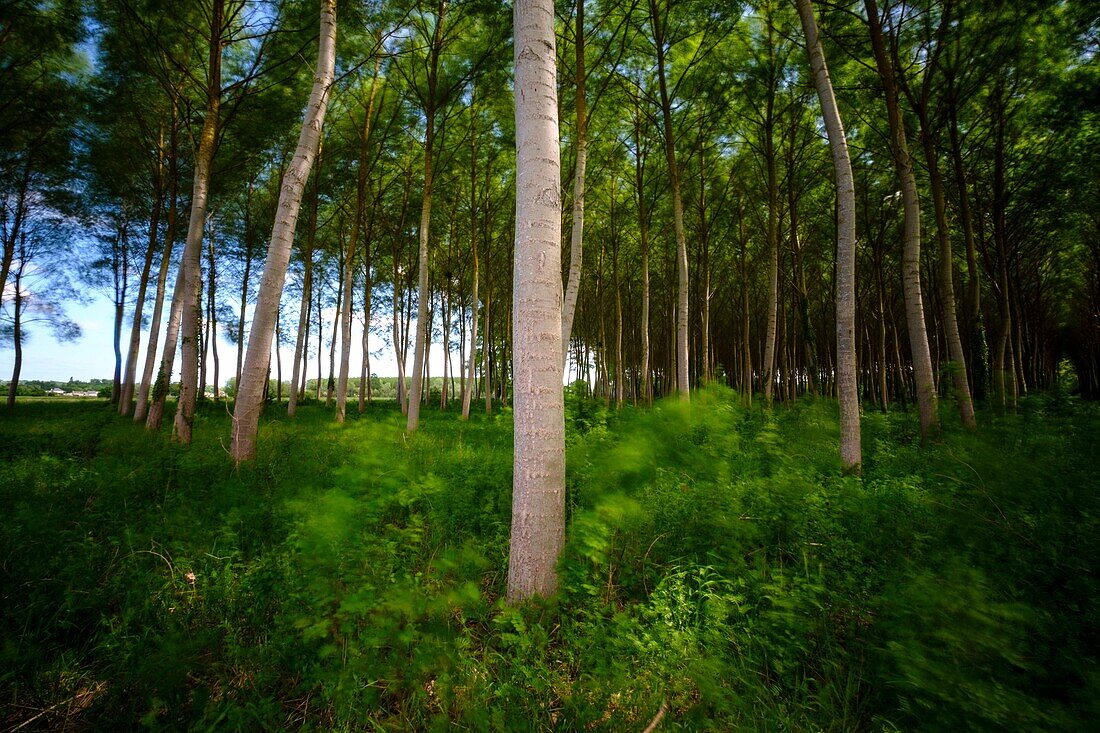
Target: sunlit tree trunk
point(190, 266)
point(246, 414)
point(538, 495)
point(349, 279)
point(469, 385)
point(847, 385)
point(420, 346)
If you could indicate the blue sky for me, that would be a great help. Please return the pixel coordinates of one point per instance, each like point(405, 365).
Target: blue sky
point(92, 356)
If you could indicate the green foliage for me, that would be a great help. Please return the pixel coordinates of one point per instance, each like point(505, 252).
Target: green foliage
point(717, 564)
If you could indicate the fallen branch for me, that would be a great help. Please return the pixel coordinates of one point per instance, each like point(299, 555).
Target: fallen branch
point(657, 718)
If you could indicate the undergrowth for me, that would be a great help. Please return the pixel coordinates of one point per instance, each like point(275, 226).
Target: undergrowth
point(718, 567)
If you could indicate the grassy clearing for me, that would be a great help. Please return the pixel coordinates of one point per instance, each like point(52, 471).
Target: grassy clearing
point(717, 565)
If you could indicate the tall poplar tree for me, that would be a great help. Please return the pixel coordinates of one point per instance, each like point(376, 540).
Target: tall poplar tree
point(910, 259)
point(538, 491)
point(847, 386)
point(250, 393)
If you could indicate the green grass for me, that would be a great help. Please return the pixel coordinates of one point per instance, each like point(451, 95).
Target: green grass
point(717, 562)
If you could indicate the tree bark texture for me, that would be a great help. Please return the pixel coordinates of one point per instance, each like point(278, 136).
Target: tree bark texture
point(910, 259)
point(576, 237)
point(538, 494)
point(142, 408)
point(851, 455)
point(191, 264)
point(249, 404)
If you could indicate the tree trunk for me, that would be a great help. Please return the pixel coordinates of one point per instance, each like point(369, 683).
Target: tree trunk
point(121, 266)
point(249, 240)
point(13, 234)
point(17, 328)
point(192, 250)
point(772, 234)
point(301, 343)
point(420, 346)
point(847, 385)
point(487, 348)
point(746, 336)
point(643, 235)
point(576, 237)
point(349, 280)
point(468, 391)
point(682, 381)
point(468, 385)
point(910, 261)
point(168, 357)
point(246, 415)
point(126, 398)
point(538, 496)
point(947, 285)
point(347, 288)
point(212, 313)
point(142, 408)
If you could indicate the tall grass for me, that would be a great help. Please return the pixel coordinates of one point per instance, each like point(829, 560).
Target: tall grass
point(718, 566)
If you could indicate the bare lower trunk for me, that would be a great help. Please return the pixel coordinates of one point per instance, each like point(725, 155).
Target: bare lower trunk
point(212, 316)
point(538, 495)
point(576, 237)
point(660, 27)
point(246, 414)
point(126, 397)
point(847, 384)
point(746, 343)
point(486, 371)
point(168, 358)
point(300, 344)
point(248, 246)
point(468, 388)
point(192, 250)
point(142, 408)
point(947, 285)
point(347, 282)
point(17, 334)
point(364, 374)
point(420, 347)
point(910, 261)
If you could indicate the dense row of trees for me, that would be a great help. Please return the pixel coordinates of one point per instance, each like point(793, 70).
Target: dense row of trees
point(149, 147)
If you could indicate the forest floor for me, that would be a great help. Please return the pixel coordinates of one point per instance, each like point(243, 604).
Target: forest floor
point(719, 573)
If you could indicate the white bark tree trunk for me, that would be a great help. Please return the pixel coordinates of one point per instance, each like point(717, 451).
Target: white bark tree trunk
point(851, 455)
point(538, 494)
point(246, 413)
point(910, 258)
point(423, 327)
point(190, 266)
point(576, 237)
point(142, 408)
